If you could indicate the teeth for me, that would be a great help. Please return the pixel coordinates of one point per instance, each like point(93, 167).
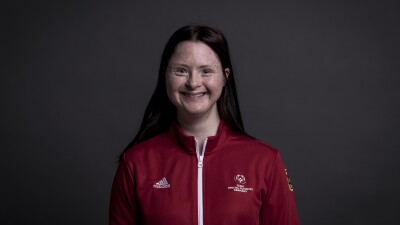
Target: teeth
point(194, 94)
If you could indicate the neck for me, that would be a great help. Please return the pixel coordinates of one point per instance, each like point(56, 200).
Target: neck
point(200, 127)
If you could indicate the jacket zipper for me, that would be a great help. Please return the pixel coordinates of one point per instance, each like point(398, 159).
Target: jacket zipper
point(200, 164)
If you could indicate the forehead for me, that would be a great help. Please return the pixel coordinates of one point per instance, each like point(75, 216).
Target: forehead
point(194, 53)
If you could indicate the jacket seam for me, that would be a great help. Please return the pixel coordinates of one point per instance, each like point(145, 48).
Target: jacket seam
point(268, 191)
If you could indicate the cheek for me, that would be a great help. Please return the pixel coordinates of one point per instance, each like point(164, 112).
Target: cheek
point(216, 85)
point(169, 89)
point(172, 88)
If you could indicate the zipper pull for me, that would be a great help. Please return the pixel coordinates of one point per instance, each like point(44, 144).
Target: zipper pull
point(200, 163)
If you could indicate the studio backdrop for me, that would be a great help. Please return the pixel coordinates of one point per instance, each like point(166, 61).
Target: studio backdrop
point(318, 80)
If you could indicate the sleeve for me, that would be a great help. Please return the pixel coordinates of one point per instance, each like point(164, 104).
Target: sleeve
point(279, 207)
point(123, 208)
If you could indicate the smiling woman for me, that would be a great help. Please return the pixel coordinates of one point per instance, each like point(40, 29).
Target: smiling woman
point(191, 161)
point(195, 80)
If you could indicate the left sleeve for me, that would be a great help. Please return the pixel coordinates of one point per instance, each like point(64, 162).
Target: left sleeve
point(123, 208)
point(279, 206)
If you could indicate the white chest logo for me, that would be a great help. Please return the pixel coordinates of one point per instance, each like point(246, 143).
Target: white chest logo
point(163, 183)
point(241, 181)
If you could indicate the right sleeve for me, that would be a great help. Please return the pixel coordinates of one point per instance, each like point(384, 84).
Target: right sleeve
point(123, 209)
point(279, 207)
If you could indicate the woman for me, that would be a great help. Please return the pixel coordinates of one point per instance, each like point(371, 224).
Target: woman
point(191, 161)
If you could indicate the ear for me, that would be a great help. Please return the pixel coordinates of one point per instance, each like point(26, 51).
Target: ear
point(227, 71)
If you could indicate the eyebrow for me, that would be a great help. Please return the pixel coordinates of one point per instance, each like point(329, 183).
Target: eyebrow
point(177, 65)
point(184, 65)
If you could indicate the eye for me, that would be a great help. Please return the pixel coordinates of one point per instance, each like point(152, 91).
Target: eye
point(207, 72)
point(180, 71)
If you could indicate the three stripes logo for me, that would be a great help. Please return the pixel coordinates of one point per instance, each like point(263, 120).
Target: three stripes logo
point(163, 183)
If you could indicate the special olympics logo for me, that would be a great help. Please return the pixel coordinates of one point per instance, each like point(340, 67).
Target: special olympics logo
point(240, 178)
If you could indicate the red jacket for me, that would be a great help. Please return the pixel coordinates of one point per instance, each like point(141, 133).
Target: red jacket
point(165, 181)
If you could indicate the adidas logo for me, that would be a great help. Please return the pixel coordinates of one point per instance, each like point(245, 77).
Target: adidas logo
point(163, 183)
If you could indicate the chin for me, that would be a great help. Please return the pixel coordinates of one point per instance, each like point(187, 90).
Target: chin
point(195, 112)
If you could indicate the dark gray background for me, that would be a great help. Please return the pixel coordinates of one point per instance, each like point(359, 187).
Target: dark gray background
point(316, 79)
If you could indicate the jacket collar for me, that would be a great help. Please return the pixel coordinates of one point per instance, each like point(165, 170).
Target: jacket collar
point(214, 143)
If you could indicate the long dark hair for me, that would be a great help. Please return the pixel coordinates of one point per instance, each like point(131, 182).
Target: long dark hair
point(160, 112)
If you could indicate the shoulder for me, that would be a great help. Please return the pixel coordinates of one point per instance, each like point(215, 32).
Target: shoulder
point(250, 142)
point(150, 146)
point(252, 146)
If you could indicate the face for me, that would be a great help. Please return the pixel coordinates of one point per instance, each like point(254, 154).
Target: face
point(195, 79)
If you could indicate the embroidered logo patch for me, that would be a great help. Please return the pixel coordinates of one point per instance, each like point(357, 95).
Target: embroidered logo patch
point(288, 180)
point(241, 180)
point(163, 183)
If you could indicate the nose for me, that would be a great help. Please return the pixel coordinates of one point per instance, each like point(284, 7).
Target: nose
point(194, 80)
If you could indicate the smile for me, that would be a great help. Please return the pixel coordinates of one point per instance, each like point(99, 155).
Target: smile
point(193, 95)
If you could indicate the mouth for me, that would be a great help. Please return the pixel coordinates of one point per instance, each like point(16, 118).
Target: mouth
point(193, 94)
